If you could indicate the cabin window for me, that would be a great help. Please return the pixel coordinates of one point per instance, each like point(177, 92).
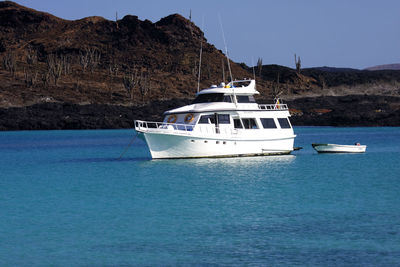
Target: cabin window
point(237, 124)
point(227, 98)
point(241, 83)
point(224, 119)
point(208, 98)
point(284, 122)
point(249, 123)
point(206, 119)
point(268, 123)
point(245, 99)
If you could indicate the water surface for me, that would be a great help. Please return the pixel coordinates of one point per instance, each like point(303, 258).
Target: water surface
point(66, 200)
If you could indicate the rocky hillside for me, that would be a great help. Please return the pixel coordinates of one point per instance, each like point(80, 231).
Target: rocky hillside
point(94, 60)
point(97, 73)
point(326, 81)
point(385, 67)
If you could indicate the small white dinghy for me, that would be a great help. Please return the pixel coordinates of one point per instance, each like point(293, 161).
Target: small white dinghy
point(334, 148)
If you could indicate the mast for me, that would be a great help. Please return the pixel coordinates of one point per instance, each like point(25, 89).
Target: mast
point(201, 52)
point(226, 48)
point(254, 73)
point(223, 71)
point(227, 58)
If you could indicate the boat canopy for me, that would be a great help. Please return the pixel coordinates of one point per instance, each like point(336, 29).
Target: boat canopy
point(241, 87)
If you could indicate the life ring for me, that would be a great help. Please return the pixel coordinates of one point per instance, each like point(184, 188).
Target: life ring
point(172, 118)
point(189, 118)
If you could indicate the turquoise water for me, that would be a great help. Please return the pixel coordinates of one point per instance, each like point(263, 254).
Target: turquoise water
point(65, 200)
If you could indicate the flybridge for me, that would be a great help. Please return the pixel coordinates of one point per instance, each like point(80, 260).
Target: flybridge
point(237, 95)
point(246, 87)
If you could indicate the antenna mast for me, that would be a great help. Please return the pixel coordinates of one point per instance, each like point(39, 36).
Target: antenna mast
point(201, 52)
point(223, 70)
point(254, 72)
point(226, 48)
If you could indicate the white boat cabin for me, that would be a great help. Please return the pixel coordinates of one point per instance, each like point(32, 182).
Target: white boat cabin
point(226, 108)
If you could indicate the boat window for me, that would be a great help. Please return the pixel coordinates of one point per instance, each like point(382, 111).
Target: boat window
point(249, 123)
point(268, 123)
point(245, 99)
point(224, 119)
point(206, 119)
point(227, 98)
point(284, 122)
point(237, 124)
point(208, 98)
point(241, 83)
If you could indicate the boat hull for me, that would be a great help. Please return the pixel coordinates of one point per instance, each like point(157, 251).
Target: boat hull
point(168, 146)
point(334, 148)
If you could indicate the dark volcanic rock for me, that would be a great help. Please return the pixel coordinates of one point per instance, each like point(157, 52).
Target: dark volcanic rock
point(65, 116)
point(55, 116)
point(354, 110)
point(319, 111)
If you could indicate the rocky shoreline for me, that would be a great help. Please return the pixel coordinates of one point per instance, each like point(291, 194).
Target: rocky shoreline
point(63, 116)
point(351, 110)
point(314, 111)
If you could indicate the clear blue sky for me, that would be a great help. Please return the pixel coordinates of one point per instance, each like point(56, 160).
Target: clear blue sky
point(336, 33)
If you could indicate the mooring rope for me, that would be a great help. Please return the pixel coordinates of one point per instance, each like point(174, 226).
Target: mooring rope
point(126, 148)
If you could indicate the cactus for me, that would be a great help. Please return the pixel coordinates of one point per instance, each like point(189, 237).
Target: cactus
point(297, 62)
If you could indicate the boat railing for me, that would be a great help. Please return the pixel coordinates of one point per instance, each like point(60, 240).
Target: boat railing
point(163, 127)
point(273, 106)
point(210, 130)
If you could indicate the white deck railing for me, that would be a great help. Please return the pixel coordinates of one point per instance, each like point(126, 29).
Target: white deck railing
point(273, 106)
point(189, 129)
point(162, 127)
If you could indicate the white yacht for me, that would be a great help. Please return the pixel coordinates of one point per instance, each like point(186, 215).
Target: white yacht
point(222, 121)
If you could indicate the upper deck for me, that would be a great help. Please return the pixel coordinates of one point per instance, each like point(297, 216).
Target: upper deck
point(235, 96)
point(240, 87)
point(211, 107)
